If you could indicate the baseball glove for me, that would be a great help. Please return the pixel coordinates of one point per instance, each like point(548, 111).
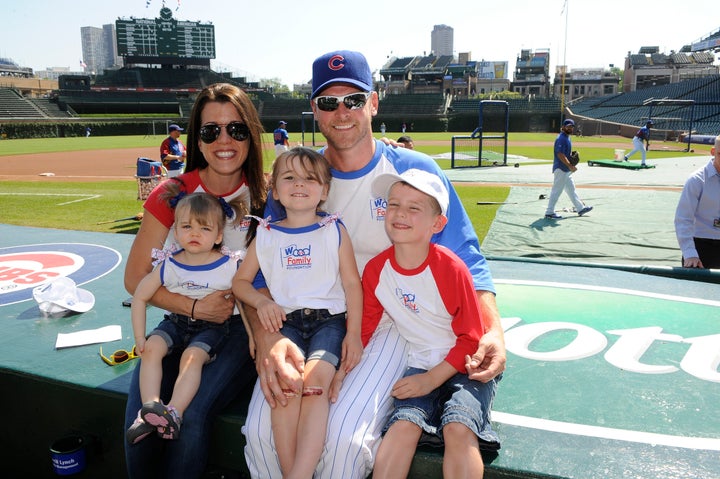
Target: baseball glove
point(574, 158)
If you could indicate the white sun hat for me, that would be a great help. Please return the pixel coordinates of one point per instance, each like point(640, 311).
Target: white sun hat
point(61, 294)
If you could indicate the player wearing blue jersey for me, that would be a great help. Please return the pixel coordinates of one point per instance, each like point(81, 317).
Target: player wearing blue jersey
point(344, 105)
point(562, 174)
point(281, 139)
point(642, 136)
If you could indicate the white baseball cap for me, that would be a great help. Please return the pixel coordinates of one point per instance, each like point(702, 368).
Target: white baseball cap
point(61, 294)
point(427, 182)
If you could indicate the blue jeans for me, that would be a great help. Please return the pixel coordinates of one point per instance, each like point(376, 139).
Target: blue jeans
point(186, 457)
point(179, 332)
point(317, 333)
point(460, 400)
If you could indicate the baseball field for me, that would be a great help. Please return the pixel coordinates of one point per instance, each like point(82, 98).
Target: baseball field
point(88, 184)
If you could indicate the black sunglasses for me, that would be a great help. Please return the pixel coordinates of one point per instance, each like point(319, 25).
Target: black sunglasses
point(352, 101)
point(237, 131)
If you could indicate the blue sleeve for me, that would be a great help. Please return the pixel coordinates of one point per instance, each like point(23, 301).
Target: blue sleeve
point(459, 234)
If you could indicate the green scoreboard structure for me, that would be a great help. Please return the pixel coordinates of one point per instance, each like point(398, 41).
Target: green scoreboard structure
point(165, 40)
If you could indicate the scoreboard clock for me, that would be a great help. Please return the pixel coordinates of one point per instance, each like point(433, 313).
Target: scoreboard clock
point(165, 37)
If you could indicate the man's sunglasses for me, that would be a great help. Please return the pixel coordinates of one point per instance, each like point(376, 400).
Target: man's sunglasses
point(120, 356)
point(237, 131)
point(352, 101)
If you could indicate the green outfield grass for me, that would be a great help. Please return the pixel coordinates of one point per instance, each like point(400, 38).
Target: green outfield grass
point(81, 205)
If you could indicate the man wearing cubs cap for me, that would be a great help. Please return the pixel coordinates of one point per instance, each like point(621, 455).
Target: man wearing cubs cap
point(172, 152)
point(344, 103)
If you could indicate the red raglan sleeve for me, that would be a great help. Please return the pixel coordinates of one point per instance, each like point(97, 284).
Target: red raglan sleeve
point(457, 291)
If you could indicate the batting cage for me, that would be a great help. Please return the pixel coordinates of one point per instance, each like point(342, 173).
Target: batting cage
point(487, 145)
point(309, 117)
point(672, 119)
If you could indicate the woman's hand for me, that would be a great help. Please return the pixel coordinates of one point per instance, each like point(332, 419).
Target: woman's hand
point(216, 307)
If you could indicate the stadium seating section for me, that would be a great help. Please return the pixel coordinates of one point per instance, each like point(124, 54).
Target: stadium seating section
point(171, 92)
point(630, 108)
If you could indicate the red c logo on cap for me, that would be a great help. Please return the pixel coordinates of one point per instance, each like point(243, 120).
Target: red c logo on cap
point(336, 62)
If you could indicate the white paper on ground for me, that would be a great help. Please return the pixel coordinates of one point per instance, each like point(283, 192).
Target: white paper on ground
point(90, 336)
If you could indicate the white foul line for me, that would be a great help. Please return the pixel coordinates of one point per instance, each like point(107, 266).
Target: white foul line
point(83, 197)
point(654, 439)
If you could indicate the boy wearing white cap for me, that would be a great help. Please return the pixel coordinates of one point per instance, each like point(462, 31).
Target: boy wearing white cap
point(428, 292)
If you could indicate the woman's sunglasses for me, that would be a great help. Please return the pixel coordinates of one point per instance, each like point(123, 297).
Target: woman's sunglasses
point(353, 101)
point(120, 356)
point(237, 131)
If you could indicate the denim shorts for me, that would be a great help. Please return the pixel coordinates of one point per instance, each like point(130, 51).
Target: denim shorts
point(317, 333)
point(179, 331)
point(460, 400)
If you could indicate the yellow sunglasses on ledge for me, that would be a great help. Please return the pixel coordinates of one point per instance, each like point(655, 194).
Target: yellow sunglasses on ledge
point(120, 356)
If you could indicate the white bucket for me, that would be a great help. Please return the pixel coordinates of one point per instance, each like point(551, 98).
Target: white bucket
point(619, 155)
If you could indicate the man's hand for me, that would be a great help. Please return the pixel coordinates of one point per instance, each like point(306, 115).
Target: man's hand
point(692, 263)
point(489, 360)
point(336, 385)
point(391, 142)
point(216, 307)
point(278, 358)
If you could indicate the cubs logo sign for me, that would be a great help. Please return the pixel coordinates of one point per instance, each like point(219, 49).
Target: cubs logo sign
point(22, 268)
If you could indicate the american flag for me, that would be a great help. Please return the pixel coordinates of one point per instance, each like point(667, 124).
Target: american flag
point(83, 64)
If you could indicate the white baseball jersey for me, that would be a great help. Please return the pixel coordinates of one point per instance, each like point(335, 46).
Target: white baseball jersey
point(302, 265)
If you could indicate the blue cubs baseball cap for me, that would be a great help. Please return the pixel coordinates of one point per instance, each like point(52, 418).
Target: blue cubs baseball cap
point(342, 66)
point(568, 122)
point(174, 127)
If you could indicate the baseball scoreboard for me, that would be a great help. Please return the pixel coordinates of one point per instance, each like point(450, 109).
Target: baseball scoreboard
point(165, 37)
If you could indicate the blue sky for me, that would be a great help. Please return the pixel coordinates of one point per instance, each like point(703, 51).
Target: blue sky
point(281, 39)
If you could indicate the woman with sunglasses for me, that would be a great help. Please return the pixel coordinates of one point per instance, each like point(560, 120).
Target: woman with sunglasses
point(224, 158)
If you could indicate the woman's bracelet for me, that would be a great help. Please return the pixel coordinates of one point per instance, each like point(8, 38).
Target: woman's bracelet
point(192, 310)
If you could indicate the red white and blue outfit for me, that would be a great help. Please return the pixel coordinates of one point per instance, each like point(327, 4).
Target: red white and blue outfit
point(222, 379)
point(196, 282)
point(302, 269)
point(172, 146)
point(435, 308)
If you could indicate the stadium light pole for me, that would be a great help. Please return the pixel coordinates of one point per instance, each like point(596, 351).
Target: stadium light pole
point(565, 67)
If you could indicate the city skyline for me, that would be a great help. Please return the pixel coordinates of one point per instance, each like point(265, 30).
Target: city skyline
point(250, 42)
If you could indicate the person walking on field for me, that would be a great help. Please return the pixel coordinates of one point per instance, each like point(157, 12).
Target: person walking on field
point(642, 135)
point(562, 174)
